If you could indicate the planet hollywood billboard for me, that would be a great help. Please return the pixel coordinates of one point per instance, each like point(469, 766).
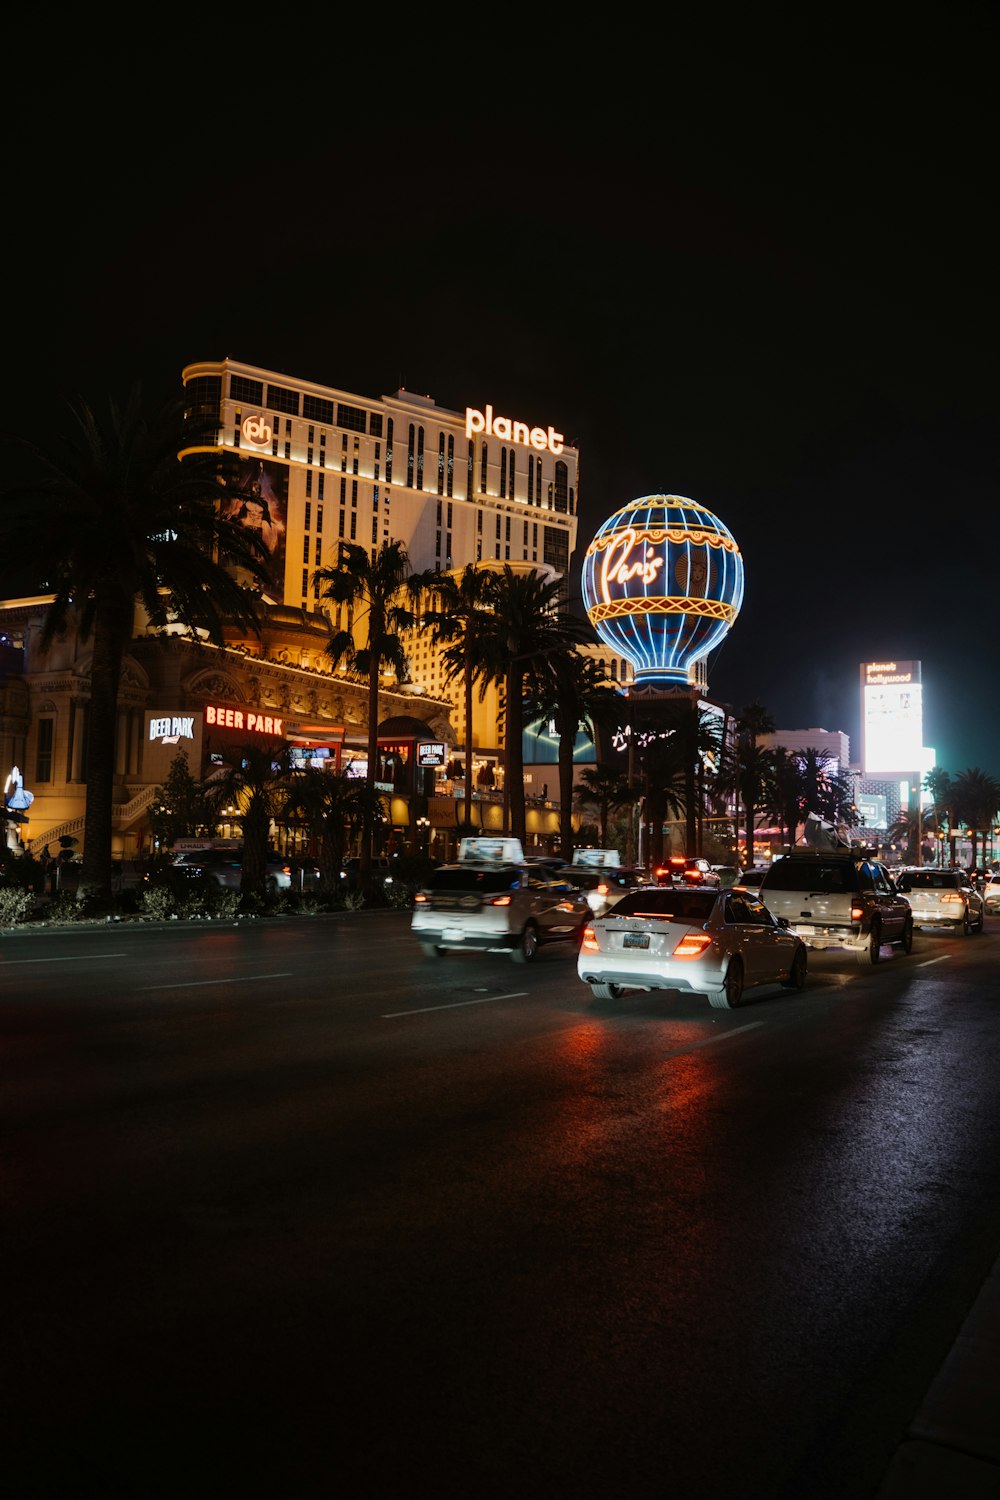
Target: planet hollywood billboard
point(662, 585)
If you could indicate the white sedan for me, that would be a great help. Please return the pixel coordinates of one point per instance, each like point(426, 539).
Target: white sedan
point(715, 943)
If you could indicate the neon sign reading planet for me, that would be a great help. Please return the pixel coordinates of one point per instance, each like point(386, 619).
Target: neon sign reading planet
point(512, 432)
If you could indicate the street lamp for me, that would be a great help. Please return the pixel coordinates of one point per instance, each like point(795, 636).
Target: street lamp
point(423, 833)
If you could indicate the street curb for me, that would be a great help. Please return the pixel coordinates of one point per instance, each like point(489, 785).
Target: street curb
point(187, 924)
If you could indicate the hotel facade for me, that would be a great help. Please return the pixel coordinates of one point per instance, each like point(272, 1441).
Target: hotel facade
point(322, 466)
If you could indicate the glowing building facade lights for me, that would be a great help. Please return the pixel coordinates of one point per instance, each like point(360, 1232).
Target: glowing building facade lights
point(662, 584)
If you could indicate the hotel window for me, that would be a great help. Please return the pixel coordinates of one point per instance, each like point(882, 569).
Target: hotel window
point(479, 551)
point(340, 528)
point(288, 450)
point(375, 423)
point(281, 399)
point(319, 516)
point(43, 753)
point(378, 456)
point(441, 464)
point(237, 434)
point(305, 549)
point(531, 480)
point(352, 417)
point(311, 436)
point(354, 527)
point(447, 549)
point(374, 528)
point(470, 473)
point(562, 487)
point(316, 409)
point(450, 508)
point(319, 552)
point(274, 443)
point(251, 392)
point(438, 514)
point(309, 455)
point(309, 485)
point(482, 473)
point(498, 529)
point(506, 554)
point(538, 481)
point(388, 452)
point(479, 520)
point(525, 533)
point(308, 513)
point(305, 581)
point(343, 492)
point(420, 458)
point(354, 494)
point(437, 545)
point(409, 458)
point(451, 465)
point(503, 473)
point(321, 486)
point(572, 501)
point(513, 454)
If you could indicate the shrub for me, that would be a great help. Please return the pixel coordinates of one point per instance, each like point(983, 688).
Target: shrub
point(16, 906)
point(159, 902)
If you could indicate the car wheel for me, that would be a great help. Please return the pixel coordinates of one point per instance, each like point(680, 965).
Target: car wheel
point(431, 950)
point(729, 997)
point(965, 926)
point(908, 937)
point(527, 945)
point(982, 921)
point(797, 973)
point(606, 991)
point(872, 950)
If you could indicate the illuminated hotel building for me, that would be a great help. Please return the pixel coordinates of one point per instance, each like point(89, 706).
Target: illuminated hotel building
point(453, 487)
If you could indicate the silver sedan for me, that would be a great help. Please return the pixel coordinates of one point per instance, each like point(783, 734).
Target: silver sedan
point(715, 943)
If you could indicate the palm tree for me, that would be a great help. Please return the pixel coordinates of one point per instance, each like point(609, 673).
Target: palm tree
point(606, 788)
point(457, 619)
point(255, 781)
point(752, 720)
point(333, 807)
point(525, 626)
point(381, 594)
point(938, 783)
point(128, 511)
point(665, 778)
point(572, 690)
point(977, 801)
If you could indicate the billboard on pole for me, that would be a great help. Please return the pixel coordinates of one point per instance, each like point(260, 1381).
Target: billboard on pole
point(892, 718)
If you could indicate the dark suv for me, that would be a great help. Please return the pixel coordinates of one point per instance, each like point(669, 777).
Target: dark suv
point(838, 898)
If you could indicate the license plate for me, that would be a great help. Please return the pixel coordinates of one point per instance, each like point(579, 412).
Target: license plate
point(806, 930)
point(636, 940)
point(452, 934)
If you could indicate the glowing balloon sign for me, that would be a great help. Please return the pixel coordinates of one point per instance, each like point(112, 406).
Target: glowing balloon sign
point(662, 584)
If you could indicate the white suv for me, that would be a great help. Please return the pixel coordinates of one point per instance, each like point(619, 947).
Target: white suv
point(495, 901)
point(942, 898)
point(838, 898)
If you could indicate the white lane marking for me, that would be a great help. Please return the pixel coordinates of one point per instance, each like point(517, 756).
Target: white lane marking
point(76, 959)
point(709, 1040)
point(928, 961)
point(193, 984)
point(393, 1015)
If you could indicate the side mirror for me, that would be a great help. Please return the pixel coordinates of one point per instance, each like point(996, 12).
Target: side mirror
point(783, 922)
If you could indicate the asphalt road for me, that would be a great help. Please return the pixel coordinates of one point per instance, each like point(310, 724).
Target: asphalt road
point(292, 1211)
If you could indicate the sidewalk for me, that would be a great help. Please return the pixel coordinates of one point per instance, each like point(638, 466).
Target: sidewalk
point(951, 1450)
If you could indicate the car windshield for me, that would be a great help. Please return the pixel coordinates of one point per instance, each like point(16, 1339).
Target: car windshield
point(927, 880)
point(483, 882)
point(834, 876)
point(668, 903)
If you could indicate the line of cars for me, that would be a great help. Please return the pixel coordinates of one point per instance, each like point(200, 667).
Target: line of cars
point(685, 927)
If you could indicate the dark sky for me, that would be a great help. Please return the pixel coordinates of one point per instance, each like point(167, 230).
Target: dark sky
point(758, 272)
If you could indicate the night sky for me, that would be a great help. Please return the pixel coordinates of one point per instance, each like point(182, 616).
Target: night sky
point(762, 276)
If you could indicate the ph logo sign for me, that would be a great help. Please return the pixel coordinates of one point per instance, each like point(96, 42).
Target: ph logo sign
point(257, 431)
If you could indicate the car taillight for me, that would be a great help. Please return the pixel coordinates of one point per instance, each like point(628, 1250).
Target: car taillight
point(589, 940)
point(692, 875)
point(602, 890)
point(692, 944)
point(857, 913)
point(419, 898)
point(500, 901)
point(952, 896)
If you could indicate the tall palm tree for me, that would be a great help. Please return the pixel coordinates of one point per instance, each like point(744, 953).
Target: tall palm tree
point(255, 781)
point(333, 807)
point(977, 802)
point(572, 690)
point(606, 789)
point(937, 781)
point(381, 594)
point(457, 620)
point(128, 511)
point(525, 626)
point(753, 720)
